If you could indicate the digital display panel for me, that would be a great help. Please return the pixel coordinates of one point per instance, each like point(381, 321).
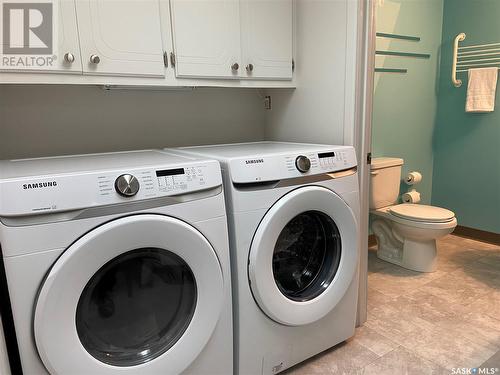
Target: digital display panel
point(326, 155)
point(170, 172)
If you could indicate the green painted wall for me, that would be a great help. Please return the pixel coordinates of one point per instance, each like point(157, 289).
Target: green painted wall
point(466, 147)
point(405, 105)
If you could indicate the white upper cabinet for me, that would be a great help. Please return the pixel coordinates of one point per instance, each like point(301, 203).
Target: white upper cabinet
point(121, 37)
point(206, 37)
point(233, 38)
point(148, 42)
point(41, 37)
point(267, 38)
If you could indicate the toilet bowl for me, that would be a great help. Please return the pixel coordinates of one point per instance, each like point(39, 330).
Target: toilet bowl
point(406, 233)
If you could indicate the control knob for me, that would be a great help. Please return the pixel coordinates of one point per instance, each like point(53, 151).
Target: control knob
point(302, 163)
point(127, 185)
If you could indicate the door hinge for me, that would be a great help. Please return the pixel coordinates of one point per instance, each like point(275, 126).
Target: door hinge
point(293, 65)
point(172, 59)
point(369, 158)
point(165, 59)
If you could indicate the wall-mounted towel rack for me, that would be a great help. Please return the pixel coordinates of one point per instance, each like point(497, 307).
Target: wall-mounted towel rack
point(404, 54)
point(473, 56)
point(398, 36)
point(398, 53)
point(390, 70)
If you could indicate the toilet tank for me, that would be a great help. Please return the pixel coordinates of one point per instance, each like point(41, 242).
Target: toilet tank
point(385, 176)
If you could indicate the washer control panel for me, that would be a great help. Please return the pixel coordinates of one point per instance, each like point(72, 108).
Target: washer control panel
point(335, 160)
point(282, 166)
point(72, 191)
point(153, 183)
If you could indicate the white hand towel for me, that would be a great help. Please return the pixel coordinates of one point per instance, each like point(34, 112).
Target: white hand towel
point(481, 90)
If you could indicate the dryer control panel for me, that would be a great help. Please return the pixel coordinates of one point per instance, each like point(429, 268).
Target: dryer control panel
point(282, 166)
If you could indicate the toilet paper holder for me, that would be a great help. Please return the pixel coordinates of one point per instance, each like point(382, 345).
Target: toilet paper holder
point(413, 178)
point(412, 196)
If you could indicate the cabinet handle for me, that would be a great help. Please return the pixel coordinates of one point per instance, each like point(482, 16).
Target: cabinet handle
point(94, 59)
point(235, 66)
point(69, 57)
point(249, 68)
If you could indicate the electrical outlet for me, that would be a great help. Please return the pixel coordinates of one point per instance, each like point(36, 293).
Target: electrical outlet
point(267, 102)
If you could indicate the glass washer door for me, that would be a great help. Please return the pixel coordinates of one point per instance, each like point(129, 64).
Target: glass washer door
point(140, 293)
point(303, 256)
point(306, 256)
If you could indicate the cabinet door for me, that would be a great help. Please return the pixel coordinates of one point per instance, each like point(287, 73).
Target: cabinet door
point(40, 37)
point(206, 38)
point(120, 37)
point(267, 38)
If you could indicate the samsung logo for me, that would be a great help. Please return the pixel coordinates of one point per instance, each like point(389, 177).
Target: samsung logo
point(254, 161)
point(39, 185)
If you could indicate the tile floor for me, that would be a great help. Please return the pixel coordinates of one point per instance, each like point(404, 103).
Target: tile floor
point(425, 323)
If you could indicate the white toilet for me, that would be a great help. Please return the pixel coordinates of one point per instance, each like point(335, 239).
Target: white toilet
point(406, 233)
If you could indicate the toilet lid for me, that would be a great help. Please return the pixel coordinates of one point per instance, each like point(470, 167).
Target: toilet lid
point(421, 212)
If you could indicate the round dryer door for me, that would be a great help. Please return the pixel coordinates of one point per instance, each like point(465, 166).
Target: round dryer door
point(140, 294)
point(304, 256)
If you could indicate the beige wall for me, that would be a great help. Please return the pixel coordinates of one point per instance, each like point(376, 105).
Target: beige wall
point(321, 109)
point(56, 120)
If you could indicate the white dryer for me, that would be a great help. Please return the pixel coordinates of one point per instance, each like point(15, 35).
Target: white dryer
point(293, 220)
point(116, 264)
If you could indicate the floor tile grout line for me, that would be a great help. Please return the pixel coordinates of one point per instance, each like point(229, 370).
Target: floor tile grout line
point(428, 360)
point(430, 322)
point(379, 357)
point(411, 349)
point(366, 347)
point(431, 360)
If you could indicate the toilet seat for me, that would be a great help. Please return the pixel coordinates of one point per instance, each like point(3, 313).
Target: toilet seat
point(422, 213)
point(386, 213)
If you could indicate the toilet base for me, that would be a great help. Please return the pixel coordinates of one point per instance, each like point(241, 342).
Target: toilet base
point(415, 256)
point(397, 244)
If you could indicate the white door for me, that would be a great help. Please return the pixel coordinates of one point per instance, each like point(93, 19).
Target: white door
point(304, 256)
point(138, 295)
point(206, 37)
point(267, 38)
point(40, 37)
point(121, 37)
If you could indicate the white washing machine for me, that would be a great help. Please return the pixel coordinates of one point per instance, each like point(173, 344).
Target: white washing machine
point(293, 218)
point(116, 264)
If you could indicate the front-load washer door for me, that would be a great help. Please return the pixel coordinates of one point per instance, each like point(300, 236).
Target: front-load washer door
point(303, 256)
point(138, 295)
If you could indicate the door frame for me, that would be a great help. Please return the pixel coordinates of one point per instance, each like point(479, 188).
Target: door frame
point(363, 137)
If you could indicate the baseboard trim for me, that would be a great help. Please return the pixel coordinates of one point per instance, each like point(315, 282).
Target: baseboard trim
point(477, 234)
point(372, 240)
